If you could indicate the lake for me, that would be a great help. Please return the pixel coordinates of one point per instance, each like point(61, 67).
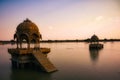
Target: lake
point(74, 61)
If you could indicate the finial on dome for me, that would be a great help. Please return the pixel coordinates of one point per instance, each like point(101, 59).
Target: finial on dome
point(27, 20)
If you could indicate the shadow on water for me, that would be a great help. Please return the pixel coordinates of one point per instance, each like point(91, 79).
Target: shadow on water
point(94, 54)
point(27, 74)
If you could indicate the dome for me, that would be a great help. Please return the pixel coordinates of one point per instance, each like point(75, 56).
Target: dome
point(94, 38)
point(27, 25)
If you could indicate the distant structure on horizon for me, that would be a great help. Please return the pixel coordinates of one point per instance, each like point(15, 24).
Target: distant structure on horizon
point(94, 43)
point(30, 57)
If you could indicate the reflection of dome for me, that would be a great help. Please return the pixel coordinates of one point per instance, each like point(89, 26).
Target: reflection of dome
point(94, 38)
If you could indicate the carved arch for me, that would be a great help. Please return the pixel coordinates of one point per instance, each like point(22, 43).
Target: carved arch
point(24, 36)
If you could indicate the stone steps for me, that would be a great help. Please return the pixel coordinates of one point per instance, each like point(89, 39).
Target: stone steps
point(44, 61)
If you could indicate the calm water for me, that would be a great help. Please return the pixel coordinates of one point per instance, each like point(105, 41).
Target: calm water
point(74, 61)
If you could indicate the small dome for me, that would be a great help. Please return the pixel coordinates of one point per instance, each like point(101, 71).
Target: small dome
point(27, 25)
point(94, 38)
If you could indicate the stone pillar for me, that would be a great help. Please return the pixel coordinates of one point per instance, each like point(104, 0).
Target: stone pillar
point(17, 43)
point(20, 44)
point(28, 45)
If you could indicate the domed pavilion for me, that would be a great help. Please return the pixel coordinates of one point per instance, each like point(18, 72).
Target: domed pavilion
point(95, 43)
point(94, 39)
point(28, 32)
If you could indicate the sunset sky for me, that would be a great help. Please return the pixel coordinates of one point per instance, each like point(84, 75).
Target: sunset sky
point(62, 19)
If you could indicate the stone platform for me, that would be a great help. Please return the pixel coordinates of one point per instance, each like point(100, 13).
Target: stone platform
point(31, 57)
point(95, 46)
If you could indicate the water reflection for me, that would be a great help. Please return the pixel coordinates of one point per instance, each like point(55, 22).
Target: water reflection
point(24, 74)
point(94, 54)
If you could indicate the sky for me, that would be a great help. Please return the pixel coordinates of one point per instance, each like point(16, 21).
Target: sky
point(62, 19)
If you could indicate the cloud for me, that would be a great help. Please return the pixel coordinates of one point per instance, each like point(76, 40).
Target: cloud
point(99, 18)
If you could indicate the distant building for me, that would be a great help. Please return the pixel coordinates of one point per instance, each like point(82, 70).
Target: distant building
point(94, 43)
point(94, 39)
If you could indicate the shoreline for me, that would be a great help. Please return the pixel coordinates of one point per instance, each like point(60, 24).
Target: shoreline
point(2, 42)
